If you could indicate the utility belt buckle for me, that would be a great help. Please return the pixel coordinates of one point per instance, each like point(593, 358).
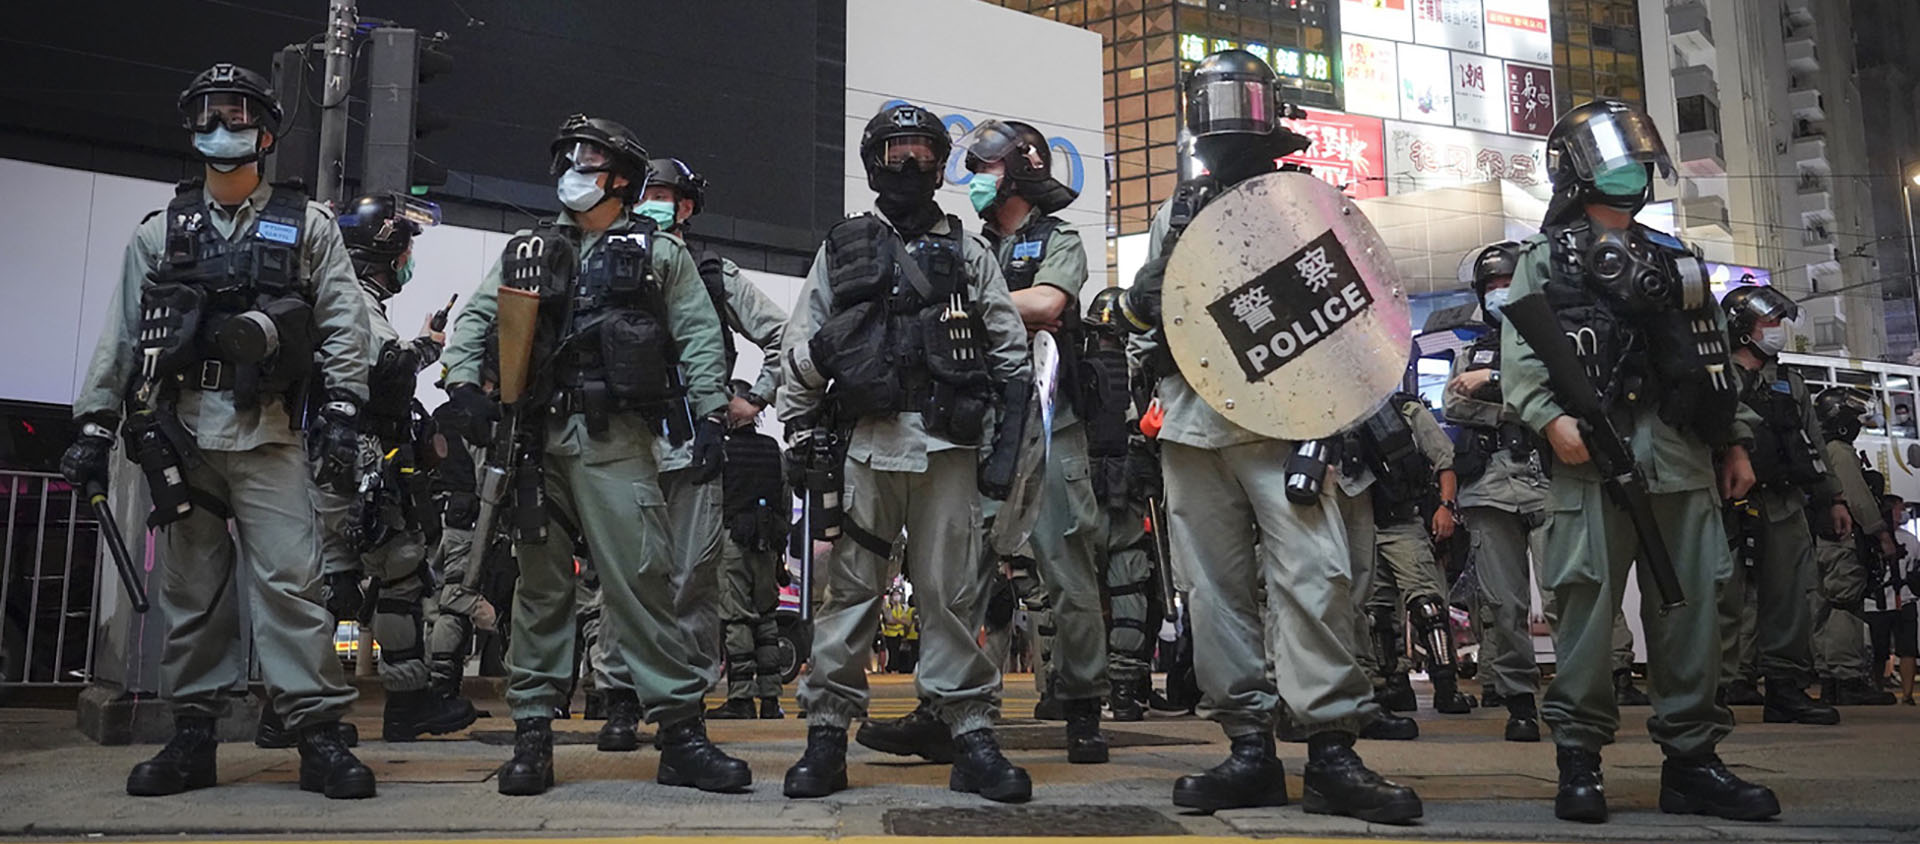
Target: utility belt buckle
point(212, 372)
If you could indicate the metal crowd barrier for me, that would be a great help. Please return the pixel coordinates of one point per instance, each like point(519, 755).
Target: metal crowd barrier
point(48, 571)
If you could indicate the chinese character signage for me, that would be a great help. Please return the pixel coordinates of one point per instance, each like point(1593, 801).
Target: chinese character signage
point(1454, 24)
point(1426, 88)
point(1285, 61)
point(1427, 157)
point(1479, 101)
point(1389, 19)
point(1346, 153)
point(1517, 29)
point(1370, 76)
point(1529, 99)
point(1270, 321)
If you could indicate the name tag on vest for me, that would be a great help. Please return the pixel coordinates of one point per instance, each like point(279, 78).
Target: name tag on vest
point(277, 232)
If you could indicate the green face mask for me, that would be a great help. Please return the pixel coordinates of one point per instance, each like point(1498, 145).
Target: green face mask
point(1622, 181)
point(405, 274)
point(983, 190)
point(659, 211)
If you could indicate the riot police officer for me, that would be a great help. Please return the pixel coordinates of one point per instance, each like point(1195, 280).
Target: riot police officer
point(1634, 301)
point(906, 284)
point(1503, 496)
point(622, 314)
point(207, 350)
point(1227, 492)
point(758, 507)
point(1839, 639)
point(458, 612)
point(1045, 266)
point(376, 529)
point(1125, 475)
point(1398, 456)
point(1791, 480)
point(673, 195)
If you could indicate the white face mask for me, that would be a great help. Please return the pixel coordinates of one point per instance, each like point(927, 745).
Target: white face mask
point(1772, 340)
point(1495, 300)
point(580, 191)
point(223, 144)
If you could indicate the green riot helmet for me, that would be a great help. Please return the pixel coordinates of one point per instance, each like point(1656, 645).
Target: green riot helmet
point(1483, 265)
point(596, 144)
point(1027, 158)
point(226, 107)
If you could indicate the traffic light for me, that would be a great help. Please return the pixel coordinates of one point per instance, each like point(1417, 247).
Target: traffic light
point(399, 62)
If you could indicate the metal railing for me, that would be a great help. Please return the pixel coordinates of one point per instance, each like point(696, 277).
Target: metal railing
point(48, 571)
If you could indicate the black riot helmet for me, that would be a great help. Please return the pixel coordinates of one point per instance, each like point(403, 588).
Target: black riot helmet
point(378, 229)
point(234, 98)
point(1596, 140)
point(674, 173)
point(891, 142)
point(1839, 410)
point(1106, 312)
point(1483, 265)
point(1751, 304)
point(1234, 111)
point(1028, 159)
point(596, 144)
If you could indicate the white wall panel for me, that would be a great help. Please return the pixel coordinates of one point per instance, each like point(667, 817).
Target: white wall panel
point(43, 236)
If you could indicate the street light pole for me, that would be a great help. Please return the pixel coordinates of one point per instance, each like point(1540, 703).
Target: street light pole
point(1909, 177)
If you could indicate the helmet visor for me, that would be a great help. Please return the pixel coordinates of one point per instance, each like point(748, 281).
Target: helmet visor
point(1614, 140)
point(584, 156)
point(898, 153)
point(231, 109)
point(989, 141)
point(1230, 105)
point(1767, 304)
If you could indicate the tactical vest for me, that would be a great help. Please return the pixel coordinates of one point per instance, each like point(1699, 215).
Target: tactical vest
point(1021, 267)
point(713, 274)
point(1783, 452)
point(1477, 444)
point(605, 328)
point(1636, 353)
point(753, 498)
point(211, 299)
point(903, 335)
point(1402, 473)
point(451, 485)
point(388, 413)
point(1188, 198)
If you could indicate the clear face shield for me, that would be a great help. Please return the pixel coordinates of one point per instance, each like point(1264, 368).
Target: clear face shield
point(993, 141)
point(1231, 105)
point(235, 111)
point(1772, 306)
point(898, 154)
point(584, 156)
point(1612, 141)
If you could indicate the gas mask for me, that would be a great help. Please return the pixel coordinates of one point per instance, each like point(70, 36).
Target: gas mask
point(1234, 157)
point(1646, 270)
point(226, 150)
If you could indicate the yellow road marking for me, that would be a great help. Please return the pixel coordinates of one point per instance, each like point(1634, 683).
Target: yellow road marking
point(793, 839)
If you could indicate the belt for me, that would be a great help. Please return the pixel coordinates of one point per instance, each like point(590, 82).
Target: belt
point(210, 375)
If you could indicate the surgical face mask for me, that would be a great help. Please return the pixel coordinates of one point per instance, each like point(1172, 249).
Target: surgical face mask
point(1495, 300)
point(404, 275)
point(1772, 340)
point(222, 144)
point(1622, 181)
point(660, 211)
point(580, 191)
point(984, 191)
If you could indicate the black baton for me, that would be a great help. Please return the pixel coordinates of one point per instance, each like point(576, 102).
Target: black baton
point(116, 545)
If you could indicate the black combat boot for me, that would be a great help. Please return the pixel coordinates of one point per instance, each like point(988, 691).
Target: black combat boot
point(687, 757)
point(920, 733)
point(1338, 783)
point(1702, 785)
point(273, 734)
point(1397, 695)
point(1389, 727)
point(409, 714)
point(1085, 744)
point(1742, 692)
point(530, 771)
point(1787, 703)
point(1625, 693)
point(1049, 707)
point(1447, 697)
point(1128, 700)
point(1860, 692)
point(770, 708)
point(328, 767)
point(1523, 719)
point(1583, 793)
point(1251, 776)
point(822, 769)
point(621, 732)
point(1490, 697)
point(187, 762)
point(596, 705)
point(978, 768)
point(734, 709)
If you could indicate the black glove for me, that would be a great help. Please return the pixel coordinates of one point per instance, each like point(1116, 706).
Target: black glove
point(1141, 305)
point(1003, 459)
point(334, 443)
point(85, 462)
point(797, 457)
point(340, 591)
point(471, 413)
point(709, 449)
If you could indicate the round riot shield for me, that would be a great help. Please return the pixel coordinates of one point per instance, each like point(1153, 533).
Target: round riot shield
point(1284, 308)
point(1014, 523)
